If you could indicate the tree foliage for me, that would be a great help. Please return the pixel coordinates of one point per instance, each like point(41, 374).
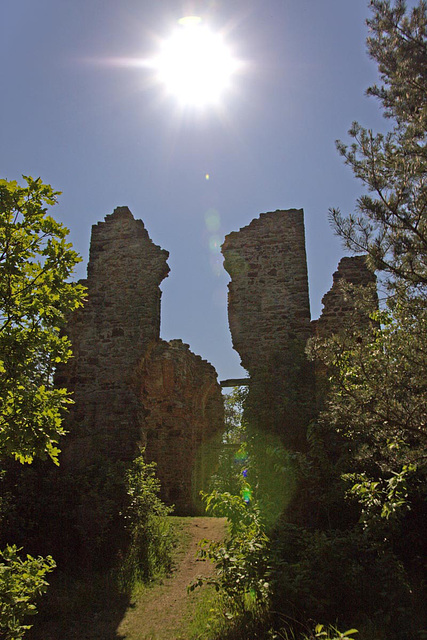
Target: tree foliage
point(390, 222)
point(35, 264)
point(242, 571)
point(356, 554)
point(377, 395)
point(233, 456)
point(21, 582)
point(151, 537)
point(35, 296)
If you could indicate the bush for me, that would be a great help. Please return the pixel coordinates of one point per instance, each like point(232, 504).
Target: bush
point(21, 582)
point(151, 537)
point(339, 575)
point(241, 562)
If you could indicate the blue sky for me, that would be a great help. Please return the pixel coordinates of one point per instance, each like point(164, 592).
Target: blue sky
point(106, 135)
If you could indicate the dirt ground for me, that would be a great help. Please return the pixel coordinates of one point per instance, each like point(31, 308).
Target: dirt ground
point(162, 613)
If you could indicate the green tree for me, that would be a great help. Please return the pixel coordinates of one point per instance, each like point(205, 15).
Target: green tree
point(377, 396)
point(233, 457)
point(390, 223)
point(21, 582)
point(379, 388)
point(35, 264)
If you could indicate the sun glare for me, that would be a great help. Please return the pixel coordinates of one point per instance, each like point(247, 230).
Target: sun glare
point(194, 64)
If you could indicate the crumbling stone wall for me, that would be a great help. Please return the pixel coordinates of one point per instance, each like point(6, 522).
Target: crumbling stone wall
point(109, 335)
point(340, 311)
point(269, 316)
point(184, 420)
point(268, 303)
point(130, 388)
point(338, 308)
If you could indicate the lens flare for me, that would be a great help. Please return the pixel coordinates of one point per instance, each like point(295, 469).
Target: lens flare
point(215, 244)
point(247, 494)
point(240, 457)
point(212, 220)
point(189, 21)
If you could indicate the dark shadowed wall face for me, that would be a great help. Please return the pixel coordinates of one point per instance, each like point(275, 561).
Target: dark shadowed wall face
point(110, 335)
point(130, 388)
point(269, 316)
point(184, 421)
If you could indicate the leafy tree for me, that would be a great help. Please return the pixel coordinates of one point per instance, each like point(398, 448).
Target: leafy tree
point(233, 458)
point(35, 263)
point(379, 388)
point(377, 397)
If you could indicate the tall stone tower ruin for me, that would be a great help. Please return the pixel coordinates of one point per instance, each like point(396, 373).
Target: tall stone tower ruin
point(109, 335)
point(269, 316)
point(270, 324)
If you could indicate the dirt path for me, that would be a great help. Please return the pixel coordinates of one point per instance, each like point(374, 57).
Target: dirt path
point(163, 612)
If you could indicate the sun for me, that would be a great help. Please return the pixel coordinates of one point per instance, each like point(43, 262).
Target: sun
point(194, 64)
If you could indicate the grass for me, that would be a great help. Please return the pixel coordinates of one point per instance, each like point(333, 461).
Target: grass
point(175, 620)
point(91, 606)
point(205, 602)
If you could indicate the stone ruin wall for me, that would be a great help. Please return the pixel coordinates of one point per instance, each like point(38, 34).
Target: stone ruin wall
point(338, 308)
point(269, 318)
point(129, 387)
point(184, 421)
point(339, 311)
point(109, 335)
point(268, 303)
point(132, 388)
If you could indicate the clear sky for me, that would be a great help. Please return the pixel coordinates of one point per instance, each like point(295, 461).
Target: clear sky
point(106, 135)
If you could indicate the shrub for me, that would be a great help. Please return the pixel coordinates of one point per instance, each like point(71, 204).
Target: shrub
point(150, 533)
point(344, 575)
point(21, 582)
point(241, 562)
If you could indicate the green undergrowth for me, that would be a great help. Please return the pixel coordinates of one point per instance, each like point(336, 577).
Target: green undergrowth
point(211, 622)
point(92, 604)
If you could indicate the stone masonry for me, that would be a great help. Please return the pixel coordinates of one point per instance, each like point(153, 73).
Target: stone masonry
point(109, 335)
point(132, 389)
point(129, 387)
point(184, 420)
point(338, 308)
point(269, 316)
point(268, 293)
